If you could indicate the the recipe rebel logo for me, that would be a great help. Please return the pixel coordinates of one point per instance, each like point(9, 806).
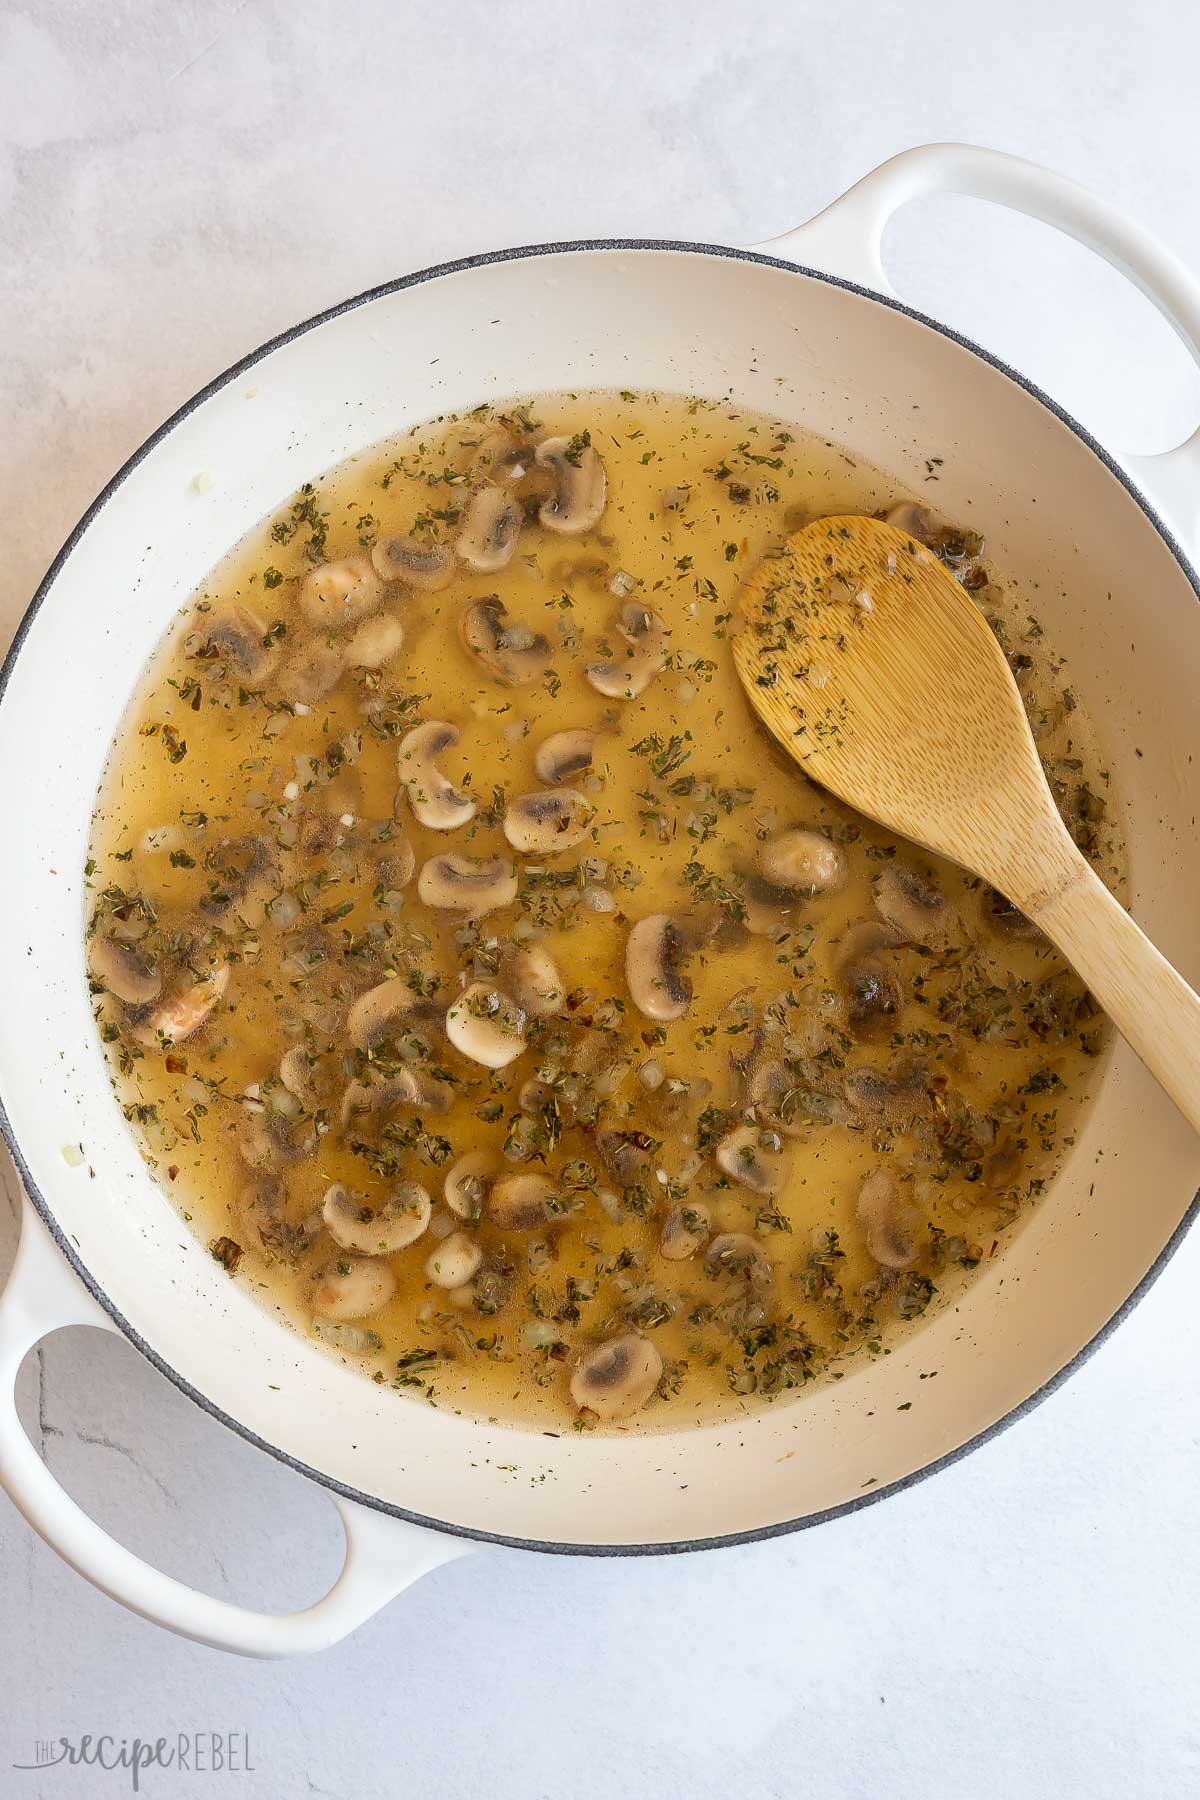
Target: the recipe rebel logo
point(187, 1752)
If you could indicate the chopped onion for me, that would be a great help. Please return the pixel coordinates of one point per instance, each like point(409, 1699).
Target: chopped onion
point(539, 1334)
point(610, 1203)
point(284, 910)
point(689, 1168)
point(351, 1338)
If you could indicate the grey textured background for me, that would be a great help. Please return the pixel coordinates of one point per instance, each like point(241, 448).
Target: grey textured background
point(179, 179)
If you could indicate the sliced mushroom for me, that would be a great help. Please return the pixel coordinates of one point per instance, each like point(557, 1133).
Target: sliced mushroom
point(872, 995)
point(486, 1025)
point(374, 1013)
point(879, 1215)
point(183, 1014)
point(551, 819)
point(455, 1261)
point(738, 1254)
point(872, 989)
point(490, 530)
point(802, 862)
point(123, 972)
point(375, 642)
point(914, 905)
point(236, 635)
point(647, 647)
point(768, 909)
point(260, 1210)
point(617, 1377)
point(340, 593)
point(368, 1231)
point(626, 1152)
point(270, 1139)
point(465, 884)
point(773, 1093)
point(468, 1182)
point(417, 562)
point(434, 799)
point(297, 1071)
point(1006, 921)
point(382, 1094)
point(564, 755)
point(581, 486)
point(508, 458)
point(652, 954)
point(536, 984)
point(245, 879)
point(895, 1097)
point(521, 1202)
point(741, 1156)
point(312, 673)
point(399, 863)
point(352, 1287)
point(684, 1231)
point(514, 652)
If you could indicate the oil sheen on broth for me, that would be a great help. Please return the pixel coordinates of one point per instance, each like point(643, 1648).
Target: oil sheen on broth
point(487, 991)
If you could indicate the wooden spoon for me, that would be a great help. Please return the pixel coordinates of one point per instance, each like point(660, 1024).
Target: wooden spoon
point(872, 667)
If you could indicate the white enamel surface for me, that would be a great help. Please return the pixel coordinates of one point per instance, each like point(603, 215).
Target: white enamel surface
point(1112, 597)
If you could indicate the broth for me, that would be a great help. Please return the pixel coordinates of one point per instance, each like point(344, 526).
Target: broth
point(683, 1206)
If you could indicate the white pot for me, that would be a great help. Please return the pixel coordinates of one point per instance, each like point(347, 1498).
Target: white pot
point(416, 1484)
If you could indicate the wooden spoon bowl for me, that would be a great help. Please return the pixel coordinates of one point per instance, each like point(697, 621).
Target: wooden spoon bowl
point(873, 667)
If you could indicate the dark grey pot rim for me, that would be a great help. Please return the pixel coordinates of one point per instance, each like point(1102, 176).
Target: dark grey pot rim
point(672, 1547)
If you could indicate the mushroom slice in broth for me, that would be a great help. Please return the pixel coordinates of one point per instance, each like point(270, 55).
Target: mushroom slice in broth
point(618, 1377)
point(551, 820)
point(377, 1231)
point(647, 647)
point(565, 755)
point(509, 650)
point(434, 799)
point(415, 562)
point(490, 530)
point(581, 486)
point(465, 884)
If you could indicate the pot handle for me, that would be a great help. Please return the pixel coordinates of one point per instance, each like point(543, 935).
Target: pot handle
point(384, 1555)
point(845, 239)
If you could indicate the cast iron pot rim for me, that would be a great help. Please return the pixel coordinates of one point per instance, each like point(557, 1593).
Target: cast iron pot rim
point(673, 1547)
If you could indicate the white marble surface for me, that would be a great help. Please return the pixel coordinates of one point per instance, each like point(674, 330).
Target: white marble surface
point(178, 180)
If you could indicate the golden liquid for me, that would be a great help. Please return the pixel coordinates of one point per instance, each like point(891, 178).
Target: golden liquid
point(254, 771)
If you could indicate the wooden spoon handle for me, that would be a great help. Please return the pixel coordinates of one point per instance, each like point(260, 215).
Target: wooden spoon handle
point(1148, 1001)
